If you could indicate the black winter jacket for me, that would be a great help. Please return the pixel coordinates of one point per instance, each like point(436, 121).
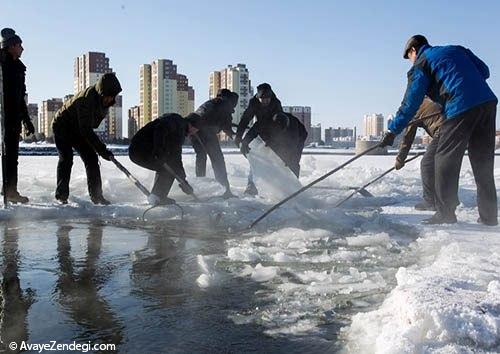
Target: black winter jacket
point(14, 88)
point(264, 115)
point(213, 116)
point(162, 137)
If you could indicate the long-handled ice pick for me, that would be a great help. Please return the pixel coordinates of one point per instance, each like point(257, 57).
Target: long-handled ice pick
point(374, 180)
point(130, 177)
point(326, 175)
point(179, 179)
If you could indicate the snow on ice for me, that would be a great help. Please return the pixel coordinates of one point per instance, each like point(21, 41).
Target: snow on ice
point(368, 270)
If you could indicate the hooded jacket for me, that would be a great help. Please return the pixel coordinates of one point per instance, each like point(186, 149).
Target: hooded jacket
point(451, 76)
point(429, 116)
point(83, 113)
point(162, 137)
point(14, 91)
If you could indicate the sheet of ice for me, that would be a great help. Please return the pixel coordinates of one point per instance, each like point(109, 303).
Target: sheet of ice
point(273, 178)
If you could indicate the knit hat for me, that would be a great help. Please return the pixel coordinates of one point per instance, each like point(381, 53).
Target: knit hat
point(9, 37)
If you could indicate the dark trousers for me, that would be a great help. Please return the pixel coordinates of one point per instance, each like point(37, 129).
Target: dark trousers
point(11, 160)
point(427, 171)
point(473, 130)
point(65, 146)
point(210, 145)
point(163, 180)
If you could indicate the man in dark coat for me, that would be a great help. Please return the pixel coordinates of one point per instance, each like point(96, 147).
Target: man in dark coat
point(285, 135)
point(429, 117)
point(211, 118)
point(263, 106)
point(455, 78)
point(160, 142)
point(16, 111)
point(73, 128)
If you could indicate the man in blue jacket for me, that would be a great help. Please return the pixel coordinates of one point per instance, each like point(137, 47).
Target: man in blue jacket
point(455, 78)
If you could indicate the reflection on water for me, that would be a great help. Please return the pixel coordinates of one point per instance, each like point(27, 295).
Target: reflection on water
point(78, 285)
point(89, 281)
point(15, 301)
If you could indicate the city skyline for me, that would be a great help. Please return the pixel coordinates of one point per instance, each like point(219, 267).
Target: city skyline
point(342, 59)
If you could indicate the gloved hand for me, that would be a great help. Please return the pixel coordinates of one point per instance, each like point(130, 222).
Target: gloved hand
point(186, 187)
point(245, 149)
point(29, 127)
point(153, 199)
point(399, 164)
point(230, 133)
point(107, 155)
point(237, 140)
point(388, 139)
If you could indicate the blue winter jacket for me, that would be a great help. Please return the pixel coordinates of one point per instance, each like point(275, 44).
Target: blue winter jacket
point(451, 76)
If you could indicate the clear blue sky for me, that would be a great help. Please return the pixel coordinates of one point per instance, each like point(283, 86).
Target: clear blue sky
point(342, 58)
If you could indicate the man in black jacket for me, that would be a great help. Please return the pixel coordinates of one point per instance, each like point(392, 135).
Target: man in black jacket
point(212, 117)
point(16, 111)
point(73, 128)
point(160, 142)
point(285, 135)
point(263, 106)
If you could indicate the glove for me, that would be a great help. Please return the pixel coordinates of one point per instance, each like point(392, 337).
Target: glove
point(399, 164)
point(237, 140)
point(107, 155)
point(153, 199)
point(245, 149)
point(388, 139)
point(29, 127)
point(186, 187)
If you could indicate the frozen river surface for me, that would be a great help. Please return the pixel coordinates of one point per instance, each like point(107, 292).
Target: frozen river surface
point(366, 277)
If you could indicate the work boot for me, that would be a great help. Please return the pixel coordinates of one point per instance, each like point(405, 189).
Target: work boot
point(15, 197)
point(437, 219)
point(63, 201)
point(251, 190)
point(100, 200)
point(228, 194)
point(425, 206)
point(480, 220)
point(156, 200)
point(166, 201)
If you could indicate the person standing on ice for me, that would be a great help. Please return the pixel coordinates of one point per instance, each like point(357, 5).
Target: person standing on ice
point(213, 117)
point(429, 116)
point(160, 142)
point(73, 128)
point(285, 135)
point(263, 106)
point(454, 77)
point(16, 111)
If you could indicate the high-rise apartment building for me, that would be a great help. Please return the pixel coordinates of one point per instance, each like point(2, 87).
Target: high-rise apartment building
point(316, 133)
point(303, 113)
point(134, 114)
point(49, 109)
point(163, 90)
point(144, 95)
point(234, 78)
point(88, 69)
point(373, 125)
